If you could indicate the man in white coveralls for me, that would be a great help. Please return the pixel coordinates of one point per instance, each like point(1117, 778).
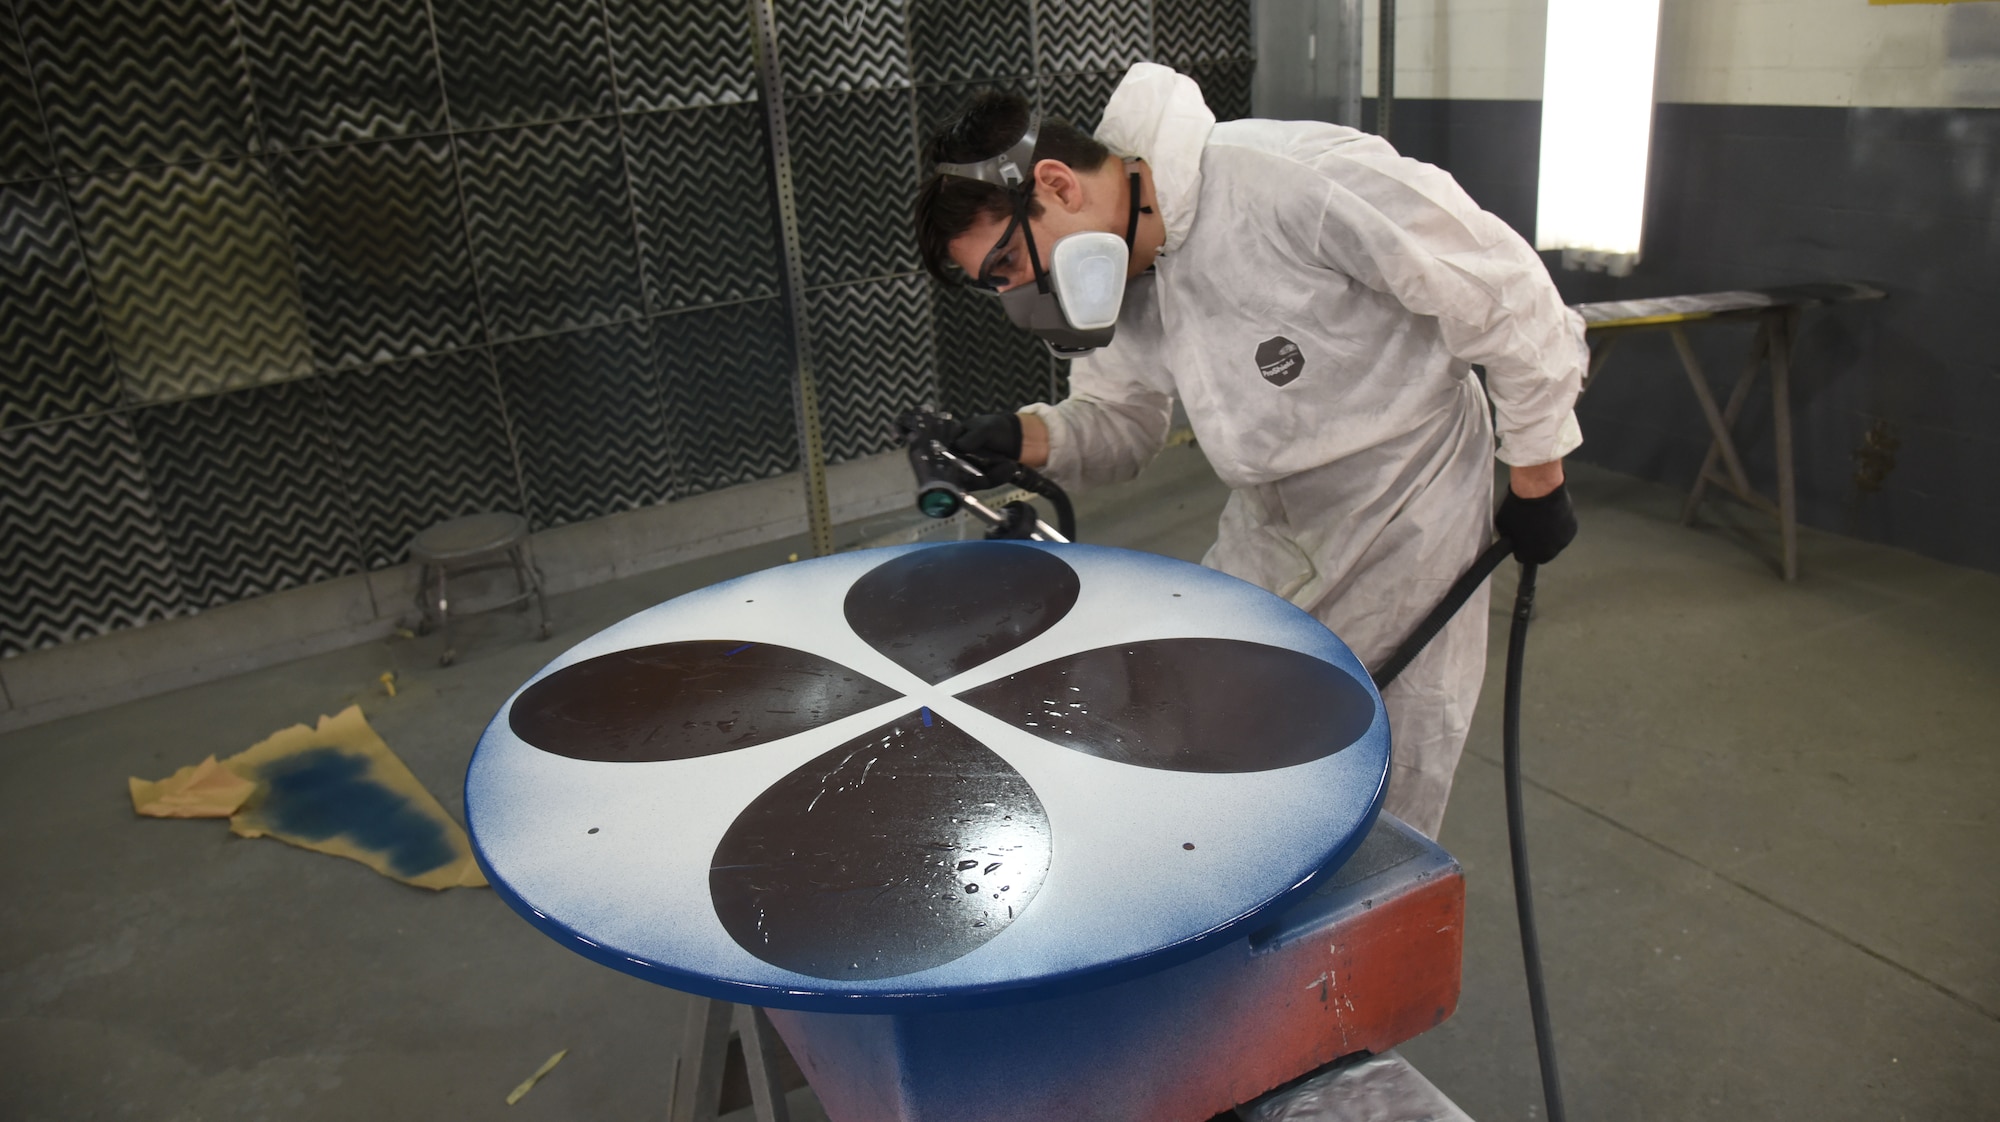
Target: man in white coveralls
point(1316, 302)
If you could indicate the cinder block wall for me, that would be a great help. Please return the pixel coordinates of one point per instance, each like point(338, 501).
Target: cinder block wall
point(1794, 140)
point(283, 281)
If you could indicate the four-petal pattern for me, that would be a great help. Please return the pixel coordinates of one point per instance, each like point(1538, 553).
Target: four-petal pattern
point(881, 797)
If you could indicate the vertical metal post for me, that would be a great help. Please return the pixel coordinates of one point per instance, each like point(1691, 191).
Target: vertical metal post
point(1349, 48)
point(1385, 69)
point(805, 398)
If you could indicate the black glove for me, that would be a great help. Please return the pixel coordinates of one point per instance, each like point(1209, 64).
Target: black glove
point(983, 437)
point(989, 436)
point(1539, 528)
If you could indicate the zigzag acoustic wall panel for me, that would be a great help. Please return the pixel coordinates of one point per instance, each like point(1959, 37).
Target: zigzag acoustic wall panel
point(195, 272)
point(332, 72)
point(1092, 34)
point(984, 363)
point(1190, 32)
point(249, 491)
point(592, 441)
point(284, 281)
point(680, 56)
point(380, 239)
point(419, 442)
point(137, 82)
point(842, 46)
point(854, 208)
point(550, 213)
point(707, 223)
point(726, 384)
point(872, 352)
point(82, 550)
point(519, 62)
point(1078, 98)
point(53, 352)
point(970, 40)
point(24, 148)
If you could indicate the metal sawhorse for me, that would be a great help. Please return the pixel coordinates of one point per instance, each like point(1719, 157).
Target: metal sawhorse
point(1777, 312)
point(697, 1089)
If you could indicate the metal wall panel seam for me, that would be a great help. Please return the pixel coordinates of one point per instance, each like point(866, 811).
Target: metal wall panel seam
point(323, 404)
point(35, 86)
point(123, 386)
point(259, 143)
point(638, 243)
point(478, 286)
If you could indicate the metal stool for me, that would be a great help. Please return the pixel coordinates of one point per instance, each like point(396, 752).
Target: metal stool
point(466, 545)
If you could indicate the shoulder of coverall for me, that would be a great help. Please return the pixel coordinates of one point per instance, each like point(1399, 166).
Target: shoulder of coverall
point(1266, 195)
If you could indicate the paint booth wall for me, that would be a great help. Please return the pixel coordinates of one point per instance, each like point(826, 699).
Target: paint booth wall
point(1872, 154)
point(284, 281)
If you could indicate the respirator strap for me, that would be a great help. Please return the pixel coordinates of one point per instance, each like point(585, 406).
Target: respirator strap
point(1132, 216)
point(1022, 202)
point(1011, 169)
point(1132, 219)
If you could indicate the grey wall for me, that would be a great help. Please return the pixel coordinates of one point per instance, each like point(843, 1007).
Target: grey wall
point(283, 281)
point(1897, 404)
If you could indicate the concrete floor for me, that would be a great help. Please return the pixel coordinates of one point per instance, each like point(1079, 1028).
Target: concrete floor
point(1762, 819)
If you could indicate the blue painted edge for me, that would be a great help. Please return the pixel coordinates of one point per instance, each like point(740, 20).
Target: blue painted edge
point(976, 997)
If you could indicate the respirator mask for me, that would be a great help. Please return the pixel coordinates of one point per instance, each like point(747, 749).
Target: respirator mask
point(1072, 303)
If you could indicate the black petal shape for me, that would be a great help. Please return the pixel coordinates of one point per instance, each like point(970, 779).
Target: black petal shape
point(1208, 705)
point(898, 851)
point(677, 701)
point(939, 611)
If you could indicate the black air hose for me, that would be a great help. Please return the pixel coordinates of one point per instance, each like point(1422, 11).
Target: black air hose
point(1510, 747)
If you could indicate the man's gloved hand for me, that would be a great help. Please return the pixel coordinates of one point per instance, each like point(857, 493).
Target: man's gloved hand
point(1539, 528)
point(982, 437)
point(989, 436)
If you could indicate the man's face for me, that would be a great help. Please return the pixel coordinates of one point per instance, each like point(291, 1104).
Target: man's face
point(995, 250)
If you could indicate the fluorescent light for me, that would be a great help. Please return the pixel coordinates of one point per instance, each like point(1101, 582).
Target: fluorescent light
point(1597, 124)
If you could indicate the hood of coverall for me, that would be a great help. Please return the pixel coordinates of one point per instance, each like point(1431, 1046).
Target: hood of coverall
point(1157, 115)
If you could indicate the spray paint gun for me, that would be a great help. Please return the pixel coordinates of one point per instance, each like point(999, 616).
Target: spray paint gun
point(947, 478)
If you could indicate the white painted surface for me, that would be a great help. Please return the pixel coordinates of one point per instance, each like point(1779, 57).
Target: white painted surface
point(1732, 52)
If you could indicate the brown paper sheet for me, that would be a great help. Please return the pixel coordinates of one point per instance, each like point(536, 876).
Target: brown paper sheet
point(335, 789)
point(203, 790)
point(338, 789)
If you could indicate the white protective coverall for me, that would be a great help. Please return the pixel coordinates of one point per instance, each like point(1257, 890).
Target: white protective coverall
point(1317, 307)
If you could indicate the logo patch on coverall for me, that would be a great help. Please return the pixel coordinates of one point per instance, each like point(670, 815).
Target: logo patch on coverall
point(1279, 360)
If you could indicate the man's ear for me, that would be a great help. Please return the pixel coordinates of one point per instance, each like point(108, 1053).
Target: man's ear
point(1060, 183)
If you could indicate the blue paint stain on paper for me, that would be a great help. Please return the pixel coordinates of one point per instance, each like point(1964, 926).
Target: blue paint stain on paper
point(324, 793)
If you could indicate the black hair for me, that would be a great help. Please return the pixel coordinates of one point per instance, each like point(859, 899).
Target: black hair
point(947, 206)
